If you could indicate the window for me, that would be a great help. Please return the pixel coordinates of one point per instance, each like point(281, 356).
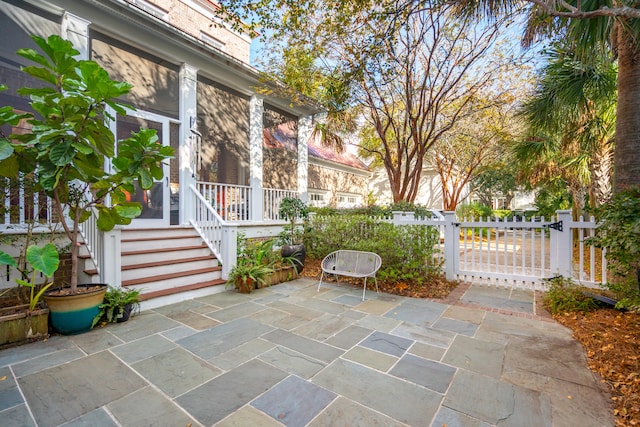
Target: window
point(317, 199)
point(348, 200)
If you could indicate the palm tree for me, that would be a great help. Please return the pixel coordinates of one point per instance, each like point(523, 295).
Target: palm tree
point(571, 118)
point(593, 26)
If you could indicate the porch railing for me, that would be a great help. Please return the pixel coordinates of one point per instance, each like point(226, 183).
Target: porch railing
point(19, 204)
point(231, 202)
point(272, 197)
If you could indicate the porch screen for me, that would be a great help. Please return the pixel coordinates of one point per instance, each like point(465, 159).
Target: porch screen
point(155, 81)
point(280, 149)
point(18, 202)
point(223, 121)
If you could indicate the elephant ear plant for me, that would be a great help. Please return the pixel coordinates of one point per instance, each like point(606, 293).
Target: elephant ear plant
point(70, 148)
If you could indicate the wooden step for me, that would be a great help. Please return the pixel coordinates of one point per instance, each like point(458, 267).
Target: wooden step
point(166, 262)
point(176, 290)
point(168, 276)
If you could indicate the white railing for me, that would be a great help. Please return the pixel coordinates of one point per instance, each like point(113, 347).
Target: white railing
point(19, 205)
point(272, 198)
point(93, 240)
point(218, 235)
point(231, 202)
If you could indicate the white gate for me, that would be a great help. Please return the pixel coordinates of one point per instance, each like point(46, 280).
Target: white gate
point(517, 253)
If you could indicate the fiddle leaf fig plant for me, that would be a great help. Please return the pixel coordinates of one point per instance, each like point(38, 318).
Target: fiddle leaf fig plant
point(70, 147)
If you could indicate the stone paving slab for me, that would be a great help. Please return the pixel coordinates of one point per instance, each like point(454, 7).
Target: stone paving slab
point(391, 361)
point(216, 399)
point(294, 402)
point(380, 392)
point(77, 387)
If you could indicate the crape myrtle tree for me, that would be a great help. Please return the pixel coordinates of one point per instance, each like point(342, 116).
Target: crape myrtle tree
point(414, 92)
point(410, 79)
point(478, 139)
point(594, 25)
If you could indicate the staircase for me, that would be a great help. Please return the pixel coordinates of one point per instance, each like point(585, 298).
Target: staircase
point(167, 265)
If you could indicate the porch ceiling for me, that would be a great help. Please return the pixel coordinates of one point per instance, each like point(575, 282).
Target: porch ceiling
point(129, 24)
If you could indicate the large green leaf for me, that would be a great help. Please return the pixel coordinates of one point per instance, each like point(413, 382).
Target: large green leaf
point(44, 259)
point(62, 153)
point(9, 167)
point(106, 220)
point(6, 149)
point(6, 259)
point(129, 209)
point(145, 180)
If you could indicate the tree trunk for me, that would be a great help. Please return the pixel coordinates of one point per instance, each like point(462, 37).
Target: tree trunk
point(627, 150)
point(601, 165)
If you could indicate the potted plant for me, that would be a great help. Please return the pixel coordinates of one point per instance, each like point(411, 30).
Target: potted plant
point(118, 305)
point(67, 149)
point(248, 274)
point(29, 320)
point(264, 252)
point(293, 209)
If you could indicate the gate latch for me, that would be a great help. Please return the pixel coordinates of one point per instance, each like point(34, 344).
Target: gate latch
point(555, 226)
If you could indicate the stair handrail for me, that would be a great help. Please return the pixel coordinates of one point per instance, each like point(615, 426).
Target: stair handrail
point(207, 223)
point(93, 240)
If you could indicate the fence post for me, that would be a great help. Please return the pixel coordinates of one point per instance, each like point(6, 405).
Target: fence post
point(451, 244)
point(229, 249)
point(111, 265)
point(562, 245)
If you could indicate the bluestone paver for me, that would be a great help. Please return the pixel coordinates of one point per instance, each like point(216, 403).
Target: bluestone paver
point(476, 355)
point(216, 399)
point(387, 343)
point(432, 375)
point(158, 410)
point(163, 369)
point(293, 362)
point(346, 413)
point(77, 388)
point(99, 417)
point(373, 359)
point(294, 402)
point(380, 392)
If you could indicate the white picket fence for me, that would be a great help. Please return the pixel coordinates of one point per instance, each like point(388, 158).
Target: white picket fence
point(517, 253)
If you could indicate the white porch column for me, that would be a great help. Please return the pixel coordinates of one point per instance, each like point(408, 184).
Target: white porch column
point(76, 30)
point(304, 133)
point(189, 139)
point(256, 111)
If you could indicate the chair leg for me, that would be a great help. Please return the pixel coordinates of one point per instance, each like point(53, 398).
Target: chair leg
point(320, 282)
point(364, 288)
point(376, 281)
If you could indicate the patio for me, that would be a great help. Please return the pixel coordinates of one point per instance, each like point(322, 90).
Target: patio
point(289, 355)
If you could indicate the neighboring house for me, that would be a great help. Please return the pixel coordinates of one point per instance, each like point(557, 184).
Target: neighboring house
point(238, 151)
point(429, 191)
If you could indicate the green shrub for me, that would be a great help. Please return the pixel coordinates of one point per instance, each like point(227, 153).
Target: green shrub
point(407, 252)
point(619, 233)
point(473, 210)
point(564, 295)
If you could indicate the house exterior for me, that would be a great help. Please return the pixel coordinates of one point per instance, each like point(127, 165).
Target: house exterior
point(238, 151)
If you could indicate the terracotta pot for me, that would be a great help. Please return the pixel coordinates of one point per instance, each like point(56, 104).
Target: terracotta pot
point(245, 287)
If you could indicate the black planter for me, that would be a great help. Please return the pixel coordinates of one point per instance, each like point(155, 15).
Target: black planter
point(295, 251)
point(124, 314)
